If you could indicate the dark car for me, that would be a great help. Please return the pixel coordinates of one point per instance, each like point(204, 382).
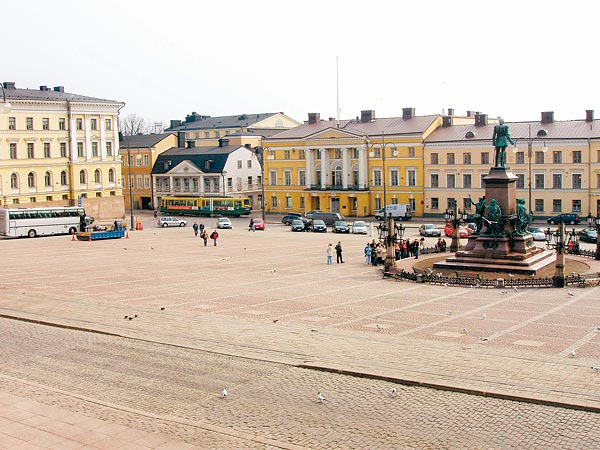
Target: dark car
point(289, 218)
point(570, 219)
point(340, 226)
point(318, 226)
point(588, 235)
point(298, 225)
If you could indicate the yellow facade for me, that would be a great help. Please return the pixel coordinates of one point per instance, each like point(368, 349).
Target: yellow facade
point(60, 149)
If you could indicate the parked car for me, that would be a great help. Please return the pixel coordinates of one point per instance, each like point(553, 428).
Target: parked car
point(259, 224)
point(168, 221)
point(298, 225)
point(289, 218)
point(471, 226)
point(224, 222)
point(328, 218)
point(588, 235)
point(340, 226)
point(429, 229)
point(570, 219)
point(537, 233)
point(311, 213)
point(318, 226)
point(463, 232)
point(359, 227)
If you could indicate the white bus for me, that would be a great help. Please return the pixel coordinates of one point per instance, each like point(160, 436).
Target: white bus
point(34, 222)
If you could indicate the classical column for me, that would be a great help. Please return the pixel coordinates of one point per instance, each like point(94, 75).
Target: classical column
point(362, 167)
point(345, 168)
point(324, 168)
point(102, 139)
point(88, 137)
point(310, 167)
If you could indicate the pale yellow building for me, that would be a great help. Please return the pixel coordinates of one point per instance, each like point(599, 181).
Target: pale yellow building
point(348, 166)
point(557, 164)
point(58, 148)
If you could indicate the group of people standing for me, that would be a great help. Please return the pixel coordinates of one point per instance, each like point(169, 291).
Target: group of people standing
point(338, 253)
point(201, 230)
point(376, 252)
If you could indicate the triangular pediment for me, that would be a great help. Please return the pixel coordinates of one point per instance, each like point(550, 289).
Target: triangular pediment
point(333, 133)
point(185, 168)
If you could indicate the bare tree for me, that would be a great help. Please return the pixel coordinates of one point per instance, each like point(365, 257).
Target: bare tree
point(158, 127)
point(131, 125)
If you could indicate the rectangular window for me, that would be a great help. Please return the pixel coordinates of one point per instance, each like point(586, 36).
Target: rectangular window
point(206, 185)
point(434, 159)
point(288, 202)
point(539, 157)
point(95, 149)
point(337, 153)
point(302, 206)
point(287, 177)
point(30, 150)
point(46, 149)
point(539, 181)
point(435, 203)
point(377, 178)
point(249, 164)
point(557, 157)
point(29, 123)
point(94, 124)
point(451, 202)
point(206, 134)
point(394, 178)
point(556, 205)
point(250, 182)
point(239, 163)
point(466, 158)
point(13, 151)
point(286, 154)
point(520, 181)
point(138, 160)
point(450, 180)
point(598, 180)
point(377, 204)
point(12, 123)
point(217, 134)
point(80, 153)
point(273, 178)
point(411, 175)
point(108, 124)
point(109, 151)
point(485, 158)
point(577, 157)
point(577, 206)
point(139, 183)
point(301, 178)
point(450, 158)
point(45, 123)
point(576, 181)
point(62, 124)
point(377, 152)
point(273, 202)
point(520, 158)
point(146, 160)
point(557, 181)
point(467, 180)
point(412, 204)
point(79, 123)
point(301, 154)
point(411, 152)
point(435, 180)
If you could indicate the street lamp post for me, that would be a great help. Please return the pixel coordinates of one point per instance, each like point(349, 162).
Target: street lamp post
point(5, 106)
point(530, 140)
point(130, 183)
point(558, 236)
point(455, 217)
point(390, 233)
point(260, 155)
point(594, 222)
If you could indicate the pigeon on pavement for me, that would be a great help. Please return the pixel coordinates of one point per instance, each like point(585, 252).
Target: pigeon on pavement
point(320, 397)
point(224, 393)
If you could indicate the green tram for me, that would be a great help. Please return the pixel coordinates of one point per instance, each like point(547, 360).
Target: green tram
point(206, 206)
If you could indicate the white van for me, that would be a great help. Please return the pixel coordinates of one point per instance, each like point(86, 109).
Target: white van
point(396, 211)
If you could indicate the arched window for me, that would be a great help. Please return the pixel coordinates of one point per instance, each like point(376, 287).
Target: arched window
point(48, 179)
point(63, 178)
point(97, 176)
point(336, 175)
point(82, 177)
point(31, 179)
point(14, 181)
point(111, 175)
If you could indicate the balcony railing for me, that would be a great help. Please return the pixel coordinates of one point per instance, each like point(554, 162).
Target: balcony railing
point(336, 187)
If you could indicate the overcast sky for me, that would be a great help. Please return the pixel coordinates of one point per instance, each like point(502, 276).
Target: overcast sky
point(165, 59)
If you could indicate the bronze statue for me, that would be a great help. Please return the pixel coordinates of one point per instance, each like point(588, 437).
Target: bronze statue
point(500, 139)
point(523, 219)
point(479, 211)
point(493, 219)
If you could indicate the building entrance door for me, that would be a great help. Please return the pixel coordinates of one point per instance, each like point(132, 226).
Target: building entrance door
point(335, 205)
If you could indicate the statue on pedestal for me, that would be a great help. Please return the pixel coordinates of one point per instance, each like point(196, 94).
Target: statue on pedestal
point(493, 219)
point(500, 139)
point(479, 211)
point(523, 219)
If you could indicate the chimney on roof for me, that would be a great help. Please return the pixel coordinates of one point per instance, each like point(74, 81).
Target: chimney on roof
point(469, 113)
point(481, 119)
point(446, 121)
point(248, 146)
point(368, 115)
point(190, 144)
point(175, 123)
point(331, 119)
point(408, 113)
point(59, 89)
point(450, 111)
point(314, 118)
point(547, 116)
point(181, 139)
point(589, 115)
point(223, 142)
point(9, 85)
point(43, 88)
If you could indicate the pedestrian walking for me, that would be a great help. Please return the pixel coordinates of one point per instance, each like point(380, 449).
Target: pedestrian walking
point(338, 252)
point(368, 250)
point(214, 236)
point(204, 236)
point(374, 253)
point(330, 254)
point(201, 227)
point(195, 227)
point(251, 226)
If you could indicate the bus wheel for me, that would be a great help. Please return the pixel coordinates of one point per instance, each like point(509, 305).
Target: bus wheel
point(31, 233)
point(72, 230)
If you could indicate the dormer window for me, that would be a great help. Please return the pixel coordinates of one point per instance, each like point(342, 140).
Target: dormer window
point(542, 133)
point(470, 135)
point(207, 164)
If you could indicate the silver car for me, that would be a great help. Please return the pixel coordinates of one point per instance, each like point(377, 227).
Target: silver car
point(168, 221)
point(359, 228)
point(429, 229)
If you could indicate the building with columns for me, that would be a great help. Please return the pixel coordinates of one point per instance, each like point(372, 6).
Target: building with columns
point(348, 166)
point(58, 148)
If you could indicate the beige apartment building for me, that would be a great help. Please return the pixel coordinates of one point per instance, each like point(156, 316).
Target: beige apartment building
point(58, 148)
point(557, 164)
